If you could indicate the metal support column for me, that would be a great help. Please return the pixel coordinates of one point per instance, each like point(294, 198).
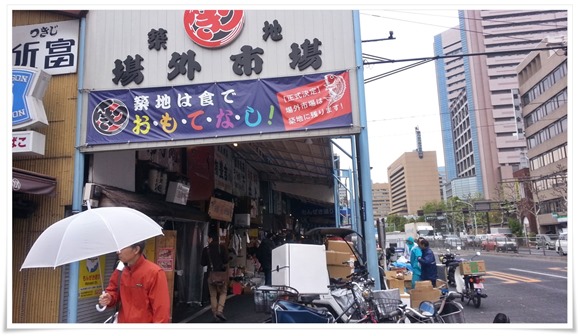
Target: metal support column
point(364, 160)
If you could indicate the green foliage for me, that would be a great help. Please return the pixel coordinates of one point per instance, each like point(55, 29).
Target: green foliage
point(398, 222)
point(516, 227)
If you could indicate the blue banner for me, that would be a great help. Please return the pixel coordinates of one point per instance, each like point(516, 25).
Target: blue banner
point(283, 104)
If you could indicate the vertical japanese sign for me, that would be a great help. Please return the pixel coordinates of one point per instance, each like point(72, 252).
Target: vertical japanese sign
point(52, 47)
point(91, 277)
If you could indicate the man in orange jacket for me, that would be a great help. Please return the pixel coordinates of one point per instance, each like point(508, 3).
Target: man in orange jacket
point(143, 293)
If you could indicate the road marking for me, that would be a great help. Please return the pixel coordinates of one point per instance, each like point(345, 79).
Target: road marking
point(509, 278)
point(559, 269)
point(539, 273)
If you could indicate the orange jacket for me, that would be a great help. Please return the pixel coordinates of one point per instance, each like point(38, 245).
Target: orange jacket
point(144, 293)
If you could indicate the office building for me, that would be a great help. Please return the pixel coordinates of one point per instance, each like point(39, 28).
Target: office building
point(483, 144)
point(543, 92)
point(414, 181)
point(381, 200)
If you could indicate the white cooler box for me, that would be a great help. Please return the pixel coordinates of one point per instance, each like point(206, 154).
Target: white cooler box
point(300, 266)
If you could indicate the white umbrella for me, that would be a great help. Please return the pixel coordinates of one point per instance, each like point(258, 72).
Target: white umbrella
point(89, 234)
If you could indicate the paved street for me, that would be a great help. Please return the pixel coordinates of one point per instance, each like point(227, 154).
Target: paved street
point(529, 289)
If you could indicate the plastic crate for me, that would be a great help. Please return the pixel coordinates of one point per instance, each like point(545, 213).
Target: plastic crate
point(265, 296)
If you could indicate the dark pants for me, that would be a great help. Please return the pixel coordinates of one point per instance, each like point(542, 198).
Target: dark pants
point(267, 276)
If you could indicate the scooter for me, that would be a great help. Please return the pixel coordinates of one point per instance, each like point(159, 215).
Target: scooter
point(470, 285)
point(451, 262)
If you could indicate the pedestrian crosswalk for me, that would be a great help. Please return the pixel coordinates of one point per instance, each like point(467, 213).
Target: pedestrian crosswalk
point(517, 277)
point(508, 278)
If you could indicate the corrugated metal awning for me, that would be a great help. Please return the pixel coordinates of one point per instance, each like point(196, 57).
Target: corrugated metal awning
point(28, 182)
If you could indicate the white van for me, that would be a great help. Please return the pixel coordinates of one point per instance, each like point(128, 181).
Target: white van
point(562, 244)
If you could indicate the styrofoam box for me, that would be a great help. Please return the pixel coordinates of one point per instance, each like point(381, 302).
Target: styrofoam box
point(301, 266)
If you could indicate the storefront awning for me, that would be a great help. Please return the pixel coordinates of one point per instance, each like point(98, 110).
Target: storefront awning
point(28, 182)
point(150, 206)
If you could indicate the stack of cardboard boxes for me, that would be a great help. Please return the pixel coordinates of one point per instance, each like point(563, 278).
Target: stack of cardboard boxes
point(339, 259)
point(423, 291)
point(396, 278)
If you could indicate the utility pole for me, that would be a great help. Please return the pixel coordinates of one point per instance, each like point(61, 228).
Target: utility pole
point(474, 216)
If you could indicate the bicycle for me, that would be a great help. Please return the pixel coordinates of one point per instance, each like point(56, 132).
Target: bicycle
point(443, 311)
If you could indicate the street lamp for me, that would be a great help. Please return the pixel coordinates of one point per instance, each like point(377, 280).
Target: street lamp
point(474, 216)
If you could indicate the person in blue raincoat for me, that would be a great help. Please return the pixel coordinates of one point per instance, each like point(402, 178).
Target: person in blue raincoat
point(428, 264)
point(414, 254)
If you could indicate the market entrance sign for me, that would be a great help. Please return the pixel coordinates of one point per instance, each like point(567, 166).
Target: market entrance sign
point(213, 28)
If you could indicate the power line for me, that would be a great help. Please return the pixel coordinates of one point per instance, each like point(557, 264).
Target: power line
point(487, 53)
point(465, 30)
point(474, 19)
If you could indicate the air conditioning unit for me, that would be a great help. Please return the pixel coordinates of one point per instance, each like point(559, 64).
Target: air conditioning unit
point(92, 194)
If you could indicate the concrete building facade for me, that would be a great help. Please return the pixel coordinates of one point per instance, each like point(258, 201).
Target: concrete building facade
point(482, 141)
point(381, 200)
point(413, 181)
point(543, 88)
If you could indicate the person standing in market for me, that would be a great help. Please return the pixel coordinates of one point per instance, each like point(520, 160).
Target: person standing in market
point(215, 255)
point(264, 255)
point(428, 264)
point(414, 255)
point(142, 292)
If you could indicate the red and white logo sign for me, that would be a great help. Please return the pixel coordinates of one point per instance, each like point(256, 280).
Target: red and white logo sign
point(213, 28)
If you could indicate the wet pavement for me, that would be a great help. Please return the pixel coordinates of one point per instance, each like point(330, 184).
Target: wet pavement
point(238, 309)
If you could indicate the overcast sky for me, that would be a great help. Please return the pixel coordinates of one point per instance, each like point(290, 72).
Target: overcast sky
point(396, 104)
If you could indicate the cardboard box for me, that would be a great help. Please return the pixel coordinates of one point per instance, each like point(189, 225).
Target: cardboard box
point(396, 283)
point(402, 276)
point(339, 246)
point(423, 294)
point(338, 258)
point(472, 267)
point(339, 271)
point(423, 284)
point(440, 284)
point(393, 275)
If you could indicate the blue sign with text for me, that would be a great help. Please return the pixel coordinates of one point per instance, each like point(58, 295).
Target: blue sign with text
point(282, 104)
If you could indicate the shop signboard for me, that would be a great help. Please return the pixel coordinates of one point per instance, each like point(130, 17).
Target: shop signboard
point(317, 101)
point(51, 47)
point(209, 77)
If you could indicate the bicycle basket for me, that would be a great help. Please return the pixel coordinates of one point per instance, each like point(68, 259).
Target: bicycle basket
point(385, 306)
point(265, 296)
point(452, 314)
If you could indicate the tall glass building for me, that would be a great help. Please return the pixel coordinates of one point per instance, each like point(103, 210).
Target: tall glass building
point(483, 140)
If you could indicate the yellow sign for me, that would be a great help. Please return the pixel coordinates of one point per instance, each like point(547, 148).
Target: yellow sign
point(91, 275)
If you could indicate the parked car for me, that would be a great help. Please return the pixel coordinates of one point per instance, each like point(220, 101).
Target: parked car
point(452, 242)
point(546, 241)
point(469, 240)
point(562, 244)
point(499, 242)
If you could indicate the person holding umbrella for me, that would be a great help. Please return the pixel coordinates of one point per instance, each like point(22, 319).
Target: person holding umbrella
point(142, 292)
